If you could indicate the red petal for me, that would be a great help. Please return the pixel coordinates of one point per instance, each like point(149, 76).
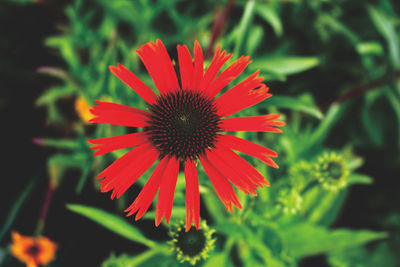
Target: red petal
point(185, 67)
point(262, 153)
point(240, 165)
point(217, 62)
point(237, 178)
point(221, 185)
point(117, 114)
point(146, 196)
point(198, 65)
point(263, 123)
point(158, 63)
point(243, 95)
point(109, 144)
point(122, 176)
point(134, 82)
point(167, 190)
point(228, 75)
point(192, 195)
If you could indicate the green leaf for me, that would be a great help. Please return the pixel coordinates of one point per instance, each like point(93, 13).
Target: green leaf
point(356, 178)
point(369, 48)
point(361, 257)
point(306, 239)
point(269, 14)
point(394, 101)
point(58, 143)
point(236, 231)
point(177, 213)
point(332, 115)
point(16, 207)
point(216, 260)
point(285, 65)
point(327, 207)
point(255, 37)
point(387, 29)
point(244, 26)
point(367, 112)
point(296, 104)
point(112, 223)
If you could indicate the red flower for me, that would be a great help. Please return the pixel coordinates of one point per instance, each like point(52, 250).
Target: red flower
point(184, 124)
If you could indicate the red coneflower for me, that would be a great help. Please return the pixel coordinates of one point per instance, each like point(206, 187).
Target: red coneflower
point(182, 125)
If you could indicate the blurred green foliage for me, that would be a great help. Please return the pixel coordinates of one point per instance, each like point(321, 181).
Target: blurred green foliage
point(328, 63)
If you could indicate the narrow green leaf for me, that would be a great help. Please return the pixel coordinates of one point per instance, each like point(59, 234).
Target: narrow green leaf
point(306, 239)
point(395, 103)
point(326, 124)
point(369, 48)
point(16, 207)
point(112, 223)
point(357, 178)
point(255, 37)
point(244, 26)
point(285, 65)
point(269, 14)
point(58, 143)
point(387, 29)
point(296, 104)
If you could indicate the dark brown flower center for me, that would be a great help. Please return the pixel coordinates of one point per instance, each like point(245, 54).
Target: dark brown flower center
point(183, 124)
point(192, 242)
point(33, 250)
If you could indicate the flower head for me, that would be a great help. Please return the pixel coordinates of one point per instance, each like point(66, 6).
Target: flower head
point(33, 251)
point(182, 126)
point(331, 171)
point(192, 245)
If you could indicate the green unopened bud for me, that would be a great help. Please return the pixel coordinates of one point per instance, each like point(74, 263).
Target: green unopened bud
point(331, 171)
point(301, 174)
point(290, 199)
point(194, 245)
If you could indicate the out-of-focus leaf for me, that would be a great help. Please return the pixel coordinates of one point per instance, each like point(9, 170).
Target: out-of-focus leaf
point(361, 257)
point(237, 232)
point(149, 257)
point(112, 223)
point(326, 124)
point(58, 143)
point(369, 48)
point(53, 94)
point(374, 133)
point(255, 37)
point(285, 65)
point(339, 27)
point(16, 207)
point(83, 178)
point(244, 26)
point(327, 208)
point(216, 260)
point(269, 14)
point(306, 239)
point(177, 213)
point(387, 29)
point(356, 178)
point(395, 102)
point(295, 104)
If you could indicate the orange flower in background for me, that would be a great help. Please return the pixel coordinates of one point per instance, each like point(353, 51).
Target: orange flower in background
point(182, 126)
point(83, 109)
point(33, 251)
